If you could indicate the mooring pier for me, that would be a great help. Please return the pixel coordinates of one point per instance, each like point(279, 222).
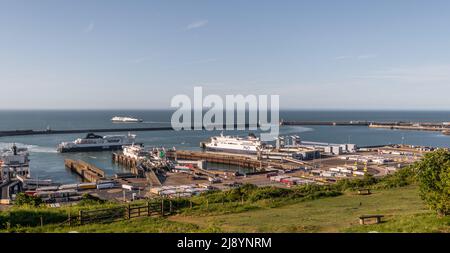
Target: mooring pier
point(85, 170)
point(226, 158)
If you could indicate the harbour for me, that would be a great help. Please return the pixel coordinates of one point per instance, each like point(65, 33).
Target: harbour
point(157, 171)
point(195, 166)
point(227, 117)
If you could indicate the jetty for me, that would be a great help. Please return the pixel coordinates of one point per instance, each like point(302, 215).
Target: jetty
point(124, 160)
point(87, 171)
point(226, 158)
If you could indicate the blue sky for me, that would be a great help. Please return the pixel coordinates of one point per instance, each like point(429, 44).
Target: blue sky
point(139, 54)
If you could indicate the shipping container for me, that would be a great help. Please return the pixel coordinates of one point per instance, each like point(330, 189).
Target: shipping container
point(104, 181)
point(47, 188)
point(128, 187)
point(84, 186)
point(68, 186)
point(30, 193)
point(106, 186)
point(271, 174)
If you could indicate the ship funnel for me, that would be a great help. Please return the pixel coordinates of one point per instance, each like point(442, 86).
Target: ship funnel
point(14, 149)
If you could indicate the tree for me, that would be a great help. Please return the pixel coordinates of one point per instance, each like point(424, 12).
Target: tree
point(433, 174)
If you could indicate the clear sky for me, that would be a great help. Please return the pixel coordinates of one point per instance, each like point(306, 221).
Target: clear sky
point(139, 54)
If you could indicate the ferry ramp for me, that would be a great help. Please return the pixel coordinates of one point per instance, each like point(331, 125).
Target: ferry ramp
point(152, 178)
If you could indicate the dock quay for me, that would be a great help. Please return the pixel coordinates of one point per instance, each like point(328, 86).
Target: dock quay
point(137, 169)
point(226, 158)
point(85, 170)
point(124, 160)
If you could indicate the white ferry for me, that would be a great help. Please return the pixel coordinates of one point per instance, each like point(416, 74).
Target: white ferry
point(135, 152)
point(249, 145)
point(125, 120)
point(93, 142)
point(14, 162)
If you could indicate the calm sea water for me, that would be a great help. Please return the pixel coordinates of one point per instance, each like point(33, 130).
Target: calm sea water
point(47, 163)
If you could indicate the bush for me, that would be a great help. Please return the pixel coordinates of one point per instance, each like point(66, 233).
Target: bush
point(24, 199)
point(433, 174)
point(32, 217)
point(269, 193)
point(88, 199)
point(403, 177)
point(352, 184)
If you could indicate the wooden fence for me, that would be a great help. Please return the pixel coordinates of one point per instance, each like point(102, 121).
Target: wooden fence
point(105, 215)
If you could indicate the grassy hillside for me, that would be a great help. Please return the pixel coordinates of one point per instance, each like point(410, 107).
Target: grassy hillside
point(403, 210)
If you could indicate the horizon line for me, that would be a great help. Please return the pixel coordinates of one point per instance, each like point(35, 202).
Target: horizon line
point(173, 109)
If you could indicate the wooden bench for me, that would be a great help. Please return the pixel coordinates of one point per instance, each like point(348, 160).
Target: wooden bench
point(363, 218)
point(364, 192)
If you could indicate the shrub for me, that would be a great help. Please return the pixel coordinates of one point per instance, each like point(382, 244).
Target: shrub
point(400, 178)
point(352, 184)
point(24, 199)
point(269, 193)
point(433, 174)
point(88, 199)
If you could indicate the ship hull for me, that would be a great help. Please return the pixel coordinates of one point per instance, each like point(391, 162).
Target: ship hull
point(127, 121)
point(230, 150)
point(91, 148)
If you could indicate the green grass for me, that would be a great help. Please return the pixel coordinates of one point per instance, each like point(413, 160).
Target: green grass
point(139, 225)
point(403, 209)
point(414, 223)
point(404, 212)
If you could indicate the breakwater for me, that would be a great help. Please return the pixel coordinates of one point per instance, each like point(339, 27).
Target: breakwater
point(75, 131)
point(104, 130)
point(423, 126)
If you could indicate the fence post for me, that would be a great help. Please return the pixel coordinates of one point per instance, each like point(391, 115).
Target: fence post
point(69, 219)
point(207, 204)
point(162, 207)
point(129, 211)
point(80, 216)
point(190, 201)
point(170, 206)
point(148, 208)
point(42, 221)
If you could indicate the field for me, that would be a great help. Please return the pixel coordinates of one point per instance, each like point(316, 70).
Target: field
point(404, 212)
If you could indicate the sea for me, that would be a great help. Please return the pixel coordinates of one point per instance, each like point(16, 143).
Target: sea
point(47, 163)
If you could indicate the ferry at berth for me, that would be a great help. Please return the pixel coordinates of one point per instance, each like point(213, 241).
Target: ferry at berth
point(14, 162)
point(93, 142)
point(231, 144)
